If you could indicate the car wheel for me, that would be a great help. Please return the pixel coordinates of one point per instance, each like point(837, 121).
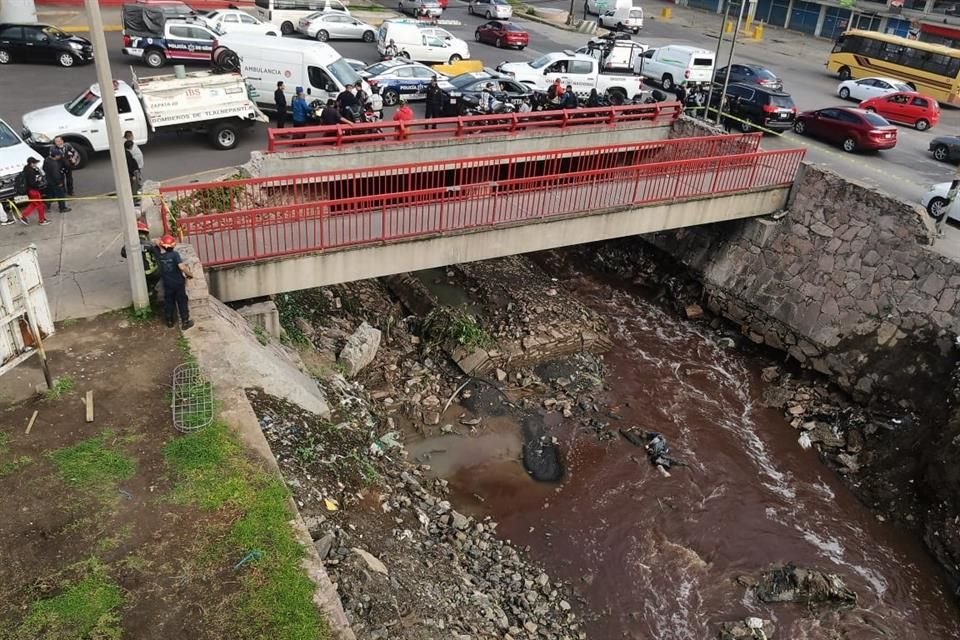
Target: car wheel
point(154, 58)
point(322, 35)
point(844, 93)
point(390, 97)
point(489, 17)
point(617, 97)
point(799, 127)
point(666, 82)
point(636, 31)
point(5, 57)
point(66, 60)
point(286, 28)
point(499, 44)
point(224, 136)
point(369, 36)
point(455, 58)
point(941, 153)
point(849, 145)
point(922, 125)
point(745, 126)
point(521, 47)
point(937, 207)
point(476, 36)
point(844, 74)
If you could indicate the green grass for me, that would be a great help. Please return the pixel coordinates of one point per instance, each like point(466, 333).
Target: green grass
point(262, 336)
point(276, 598)
point(139, 316)
point(88, 609)
point(61, 386)
point(12, 466)
point(93, 463)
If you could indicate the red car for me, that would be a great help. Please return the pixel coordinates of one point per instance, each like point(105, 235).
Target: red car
point(854, 129)
point(502, 34)
point(905, 107)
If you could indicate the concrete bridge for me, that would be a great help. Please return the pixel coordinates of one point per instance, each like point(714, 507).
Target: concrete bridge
point(264, 236)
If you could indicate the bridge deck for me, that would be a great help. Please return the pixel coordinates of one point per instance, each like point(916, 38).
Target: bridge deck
point(243, 236)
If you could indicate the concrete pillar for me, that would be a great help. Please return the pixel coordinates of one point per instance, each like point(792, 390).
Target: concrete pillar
point(820, 19)
point(786, 23)
point(928, 6)
point(18, 11)
point(751, 12)
point(264, 315)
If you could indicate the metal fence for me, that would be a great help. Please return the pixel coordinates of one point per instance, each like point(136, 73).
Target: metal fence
point(257, 193)
point(331, 136)
point(353, 220)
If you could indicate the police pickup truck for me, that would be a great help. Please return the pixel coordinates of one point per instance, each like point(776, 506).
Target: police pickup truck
point(579, 70)
point(216, 104)
point(187, 38)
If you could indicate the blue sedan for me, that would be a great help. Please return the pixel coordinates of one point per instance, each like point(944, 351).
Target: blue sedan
point(396, 78)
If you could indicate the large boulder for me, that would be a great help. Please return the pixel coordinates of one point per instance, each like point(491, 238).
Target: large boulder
point(360, 350)
point(795, 584)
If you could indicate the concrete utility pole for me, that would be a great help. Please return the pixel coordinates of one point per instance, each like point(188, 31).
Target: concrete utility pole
point(111, 117)
point(733, 45)
point(723, 25)
point(18, 11)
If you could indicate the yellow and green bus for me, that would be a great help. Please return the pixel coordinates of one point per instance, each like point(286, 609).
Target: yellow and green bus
point(930, 69)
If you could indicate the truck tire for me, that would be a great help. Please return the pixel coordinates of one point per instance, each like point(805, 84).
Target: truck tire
point(666, 82)
point(844, 74)
point(154, 58)
point(83, 151)
point(286, 28)
point(223, 136)
point(617, 96)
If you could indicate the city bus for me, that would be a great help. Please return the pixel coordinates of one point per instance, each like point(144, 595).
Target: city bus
point(930, 69)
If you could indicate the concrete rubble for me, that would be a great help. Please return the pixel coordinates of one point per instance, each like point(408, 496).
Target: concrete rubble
point(360, 350)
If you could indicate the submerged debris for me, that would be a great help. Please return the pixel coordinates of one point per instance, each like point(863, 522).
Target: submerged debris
point(654, 444)
point(749, 629)
point(790, 583)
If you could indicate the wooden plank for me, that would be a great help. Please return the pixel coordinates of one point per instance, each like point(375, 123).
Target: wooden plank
point(89, 402)
point(33, 419)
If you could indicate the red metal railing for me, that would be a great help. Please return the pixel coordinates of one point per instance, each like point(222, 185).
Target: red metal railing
point(290, 229)
point(322, 137)
point(255, 193)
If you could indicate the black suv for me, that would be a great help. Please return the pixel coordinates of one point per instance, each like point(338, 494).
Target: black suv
point(42, 43)
point(463, 92)
point(749, 104)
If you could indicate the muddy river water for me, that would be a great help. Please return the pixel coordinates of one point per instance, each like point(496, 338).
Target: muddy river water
point(657, 557)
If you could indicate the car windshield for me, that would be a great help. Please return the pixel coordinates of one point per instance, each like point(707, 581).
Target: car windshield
point(903, 87)
point(511, 27)
point(314, 15)
point(381, 67)
point(468, 78)
point(784, 102)
point(542, 61)
point(53, 32)
point(82, 103)
point(875, 120)
point(765, 74)
point(503, 2)
point(343, 72)
point(7, 137)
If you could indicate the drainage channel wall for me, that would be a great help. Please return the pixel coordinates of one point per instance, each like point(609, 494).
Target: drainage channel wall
point(845, 282)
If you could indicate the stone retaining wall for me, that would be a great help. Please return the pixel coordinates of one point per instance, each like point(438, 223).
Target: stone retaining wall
point(846, 283)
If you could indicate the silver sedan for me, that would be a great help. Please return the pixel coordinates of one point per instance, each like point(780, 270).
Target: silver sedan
point(335, 25)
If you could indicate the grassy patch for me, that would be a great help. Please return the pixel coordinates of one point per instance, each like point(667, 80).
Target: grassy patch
point(12, 466)
point(445, 325)
point(262, 336)
point(86, 609)
point(139, 316)
point(61, 386)
point(276, 598)
point(93, 463)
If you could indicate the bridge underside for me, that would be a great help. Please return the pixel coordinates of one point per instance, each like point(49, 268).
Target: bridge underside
point(277, 275)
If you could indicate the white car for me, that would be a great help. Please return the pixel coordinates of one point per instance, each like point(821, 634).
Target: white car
point(935, 200)
point(235, 21)
point(490, 9)
point(333, 25)
point(866, 88)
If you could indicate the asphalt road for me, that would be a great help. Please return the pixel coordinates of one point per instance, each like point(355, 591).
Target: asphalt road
point(905, 171)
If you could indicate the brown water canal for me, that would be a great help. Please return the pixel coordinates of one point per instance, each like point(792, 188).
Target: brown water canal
point(657, 557)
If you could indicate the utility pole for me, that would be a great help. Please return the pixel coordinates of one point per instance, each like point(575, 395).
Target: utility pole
point(18, 11)
point(733, 45)
point(723, 25)
point(570, 14)
point(111, 117)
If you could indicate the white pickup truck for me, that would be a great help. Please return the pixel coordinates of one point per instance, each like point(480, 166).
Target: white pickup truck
point(576, 69)
point(13, 158)
point(216, 104)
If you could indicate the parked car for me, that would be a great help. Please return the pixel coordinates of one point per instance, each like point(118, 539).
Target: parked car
point(417, 8)
point(502, 34)
point(490, 9)
point(750, 74)
point(463, 92)
point(622, 18)
point(906, 107)
point(335, 26)
point(935, 200)
point(866, 88)
point(236, 21)
point(42, 43)
point(750, 105)
point(946, 148)
point(400, 78)
point(854, 129)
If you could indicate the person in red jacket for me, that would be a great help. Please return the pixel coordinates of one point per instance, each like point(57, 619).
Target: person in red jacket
point(404, 113)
